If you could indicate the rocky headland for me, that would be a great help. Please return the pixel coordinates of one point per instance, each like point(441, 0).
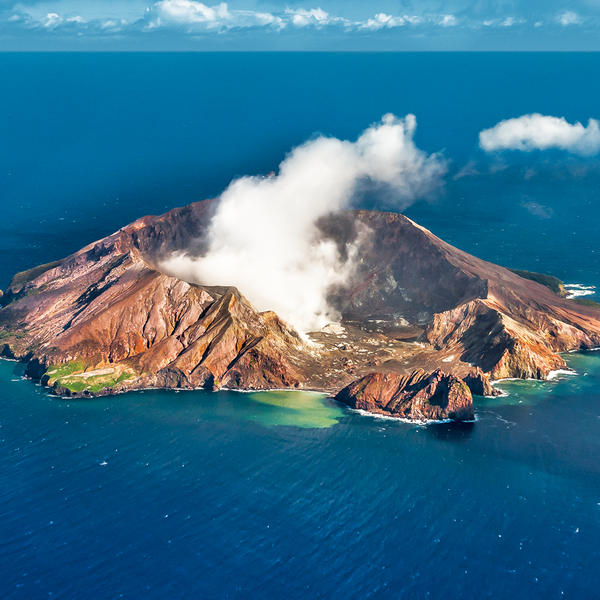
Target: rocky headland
point(416, 396)
point(107, 319)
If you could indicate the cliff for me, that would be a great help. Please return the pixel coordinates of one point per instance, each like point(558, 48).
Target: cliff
point(106, 319)
point(417, 396)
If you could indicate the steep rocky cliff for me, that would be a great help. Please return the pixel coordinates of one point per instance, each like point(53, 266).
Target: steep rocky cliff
point(416, 396)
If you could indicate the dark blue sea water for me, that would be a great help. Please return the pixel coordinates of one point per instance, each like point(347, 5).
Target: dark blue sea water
point(196, 495)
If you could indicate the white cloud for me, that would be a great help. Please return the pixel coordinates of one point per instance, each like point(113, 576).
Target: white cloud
point(569, 18)
point(316, 17)
point(51, 21)
point(448, 21)
point(194, 16)
point(538, 132)
point(381, 21)
point(537, 210)
point(508, 22)
point(187, 13)
point(113, 25)
point(469, 170)
point(511, 21)
point(263, 238)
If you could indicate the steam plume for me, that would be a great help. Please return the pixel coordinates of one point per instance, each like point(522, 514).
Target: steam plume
point(263, 237)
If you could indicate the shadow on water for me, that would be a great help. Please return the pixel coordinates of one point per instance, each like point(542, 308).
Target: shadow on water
point(455, 431)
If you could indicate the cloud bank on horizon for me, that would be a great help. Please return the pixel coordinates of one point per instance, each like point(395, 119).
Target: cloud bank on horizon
point(324, 175)
point(539, 132)
point(380, 25)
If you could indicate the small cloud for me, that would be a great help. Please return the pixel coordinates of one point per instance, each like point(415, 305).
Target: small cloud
point(448, 21)
point(498, 166)
point(51, 21)
point(569, 18)
point(538, 24)
point(469, 170)
point(381, 21)
point(538, 132)
point(511, 21)
point(537, 210)
point(113, 25)
point(508, 22)
point(529, 174)
point(316, 17)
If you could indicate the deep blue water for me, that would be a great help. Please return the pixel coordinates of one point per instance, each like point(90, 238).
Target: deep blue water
point(199, 495)
point(242, 496)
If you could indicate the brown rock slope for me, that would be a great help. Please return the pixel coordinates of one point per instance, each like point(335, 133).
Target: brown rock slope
point(417, 396)
point(474, 311)
point(106, 319)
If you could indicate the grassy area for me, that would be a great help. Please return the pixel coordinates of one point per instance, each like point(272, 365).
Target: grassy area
point(587, 302)
point(8, 334)
point(24, 277)
point(556, 285)
point(551, 282)
point(71, 376)
point(93, 384)
point(55, 372)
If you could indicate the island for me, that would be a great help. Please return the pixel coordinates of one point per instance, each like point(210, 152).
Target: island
point(423, 324)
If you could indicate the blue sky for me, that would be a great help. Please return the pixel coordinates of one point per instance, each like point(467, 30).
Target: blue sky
point(293, 25)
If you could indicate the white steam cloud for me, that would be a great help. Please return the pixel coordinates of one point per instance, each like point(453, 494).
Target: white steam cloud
point(539, 132)
point(263, 238)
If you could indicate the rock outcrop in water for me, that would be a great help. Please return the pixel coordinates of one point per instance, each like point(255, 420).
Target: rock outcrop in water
point(106, 319)
point(479, 383)
point(417, 396)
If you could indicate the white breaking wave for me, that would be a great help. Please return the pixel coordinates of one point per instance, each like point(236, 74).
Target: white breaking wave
point(576, 290)
point(421, 423)
point(554, 374)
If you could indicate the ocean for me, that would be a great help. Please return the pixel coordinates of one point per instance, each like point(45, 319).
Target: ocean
point(230, 495)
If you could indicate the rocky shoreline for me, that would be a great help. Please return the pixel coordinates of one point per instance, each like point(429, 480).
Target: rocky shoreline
point(107, 319)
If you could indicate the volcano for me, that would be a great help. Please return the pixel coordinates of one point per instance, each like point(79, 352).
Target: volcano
point(107, 319)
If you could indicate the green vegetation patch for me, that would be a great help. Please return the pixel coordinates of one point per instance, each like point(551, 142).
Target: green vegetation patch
point(587, 302)
point(31, 292)
point(94, 383)
point(55, 372)
point(21, 279)
point(551, 282)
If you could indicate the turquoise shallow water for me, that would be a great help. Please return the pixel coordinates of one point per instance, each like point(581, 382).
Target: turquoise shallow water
point(160, 495)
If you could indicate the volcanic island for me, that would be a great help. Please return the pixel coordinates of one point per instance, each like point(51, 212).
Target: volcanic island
point(423, 325)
